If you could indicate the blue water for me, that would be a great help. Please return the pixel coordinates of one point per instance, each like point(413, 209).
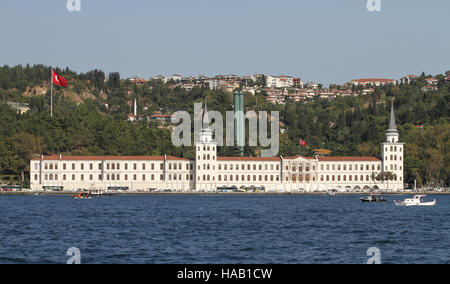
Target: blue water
point(221, 229)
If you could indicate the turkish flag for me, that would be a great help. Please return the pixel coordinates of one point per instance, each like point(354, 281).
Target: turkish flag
point(303, 142)
point(58, 80)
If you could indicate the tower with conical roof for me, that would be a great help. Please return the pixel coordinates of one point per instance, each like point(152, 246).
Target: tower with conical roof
point(206, 157)
point(393, 154)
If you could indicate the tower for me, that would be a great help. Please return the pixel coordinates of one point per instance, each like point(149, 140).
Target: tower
point(239, 121)
point(392, 155)
point(206, 158)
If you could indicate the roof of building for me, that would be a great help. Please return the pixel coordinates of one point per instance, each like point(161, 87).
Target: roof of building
point(110, 158)
point(254, 159)
point(172, 158)
point(373, 80)
point(349, 159)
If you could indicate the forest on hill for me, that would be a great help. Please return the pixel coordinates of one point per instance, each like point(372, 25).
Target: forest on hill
point(95, 122)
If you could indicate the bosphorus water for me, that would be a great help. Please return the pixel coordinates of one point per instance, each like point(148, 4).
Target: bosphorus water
point(222, 229)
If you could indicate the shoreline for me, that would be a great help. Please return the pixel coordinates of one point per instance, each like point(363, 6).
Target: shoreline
point(41, 193)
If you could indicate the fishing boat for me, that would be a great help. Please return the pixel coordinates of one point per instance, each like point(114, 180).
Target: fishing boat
point(418, 200)
point(373, 198)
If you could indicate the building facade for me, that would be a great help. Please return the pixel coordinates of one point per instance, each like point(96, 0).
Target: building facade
point(207, 171)
point(374, 82)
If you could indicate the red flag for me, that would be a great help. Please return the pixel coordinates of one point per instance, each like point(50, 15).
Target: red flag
point(58, 80)
point(303, 143)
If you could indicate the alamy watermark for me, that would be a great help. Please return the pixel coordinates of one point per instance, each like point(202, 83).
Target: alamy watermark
point(75, 256)
point(182, 135)
point(374, 5)
point(375, 254)
point(73, 5)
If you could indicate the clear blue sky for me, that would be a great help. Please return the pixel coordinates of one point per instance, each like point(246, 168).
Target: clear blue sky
point(327, 41)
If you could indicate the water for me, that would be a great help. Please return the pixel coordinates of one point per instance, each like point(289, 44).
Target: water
point(221, 229)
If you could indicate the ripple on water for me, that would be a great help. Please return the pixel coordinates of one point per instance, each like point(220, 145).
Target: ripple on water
point(221, 229)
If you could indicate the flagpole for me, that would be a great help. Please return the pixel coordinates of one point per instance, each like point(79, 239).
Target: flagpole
point(51, 93)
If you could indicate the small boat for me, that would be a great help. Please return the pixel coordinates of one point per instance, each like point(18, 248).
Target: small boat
point(373, 198)
point(416, 201)
point(82, 196)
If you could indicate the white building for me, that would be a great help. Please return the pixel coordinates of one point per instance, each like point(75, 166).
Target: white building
point(374, 82)
point(279, 82)
point(209, 172)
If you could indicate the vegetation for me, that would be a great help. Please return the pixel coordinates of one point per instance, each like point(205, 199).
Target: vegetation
point(97, 125)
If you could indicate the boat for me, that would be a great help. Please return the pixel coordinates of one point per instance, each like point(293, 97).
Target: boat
point(418, 200)
point(332, 192)
point(82, 195)
point(373, 198)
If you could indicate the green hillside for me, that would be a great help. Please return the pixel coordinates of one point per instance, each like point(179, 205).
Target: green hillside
point(90, 119)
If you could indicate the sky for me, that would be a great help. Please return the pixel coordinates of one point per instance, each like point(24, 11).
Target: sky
point(325, 41)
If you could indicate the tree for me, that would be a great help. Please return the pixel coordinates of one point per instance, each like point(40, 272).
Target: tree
point(24, 146)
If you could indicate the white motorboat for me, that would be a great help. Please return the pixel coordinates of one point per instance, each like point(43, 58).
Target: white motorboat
point(416, 201)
